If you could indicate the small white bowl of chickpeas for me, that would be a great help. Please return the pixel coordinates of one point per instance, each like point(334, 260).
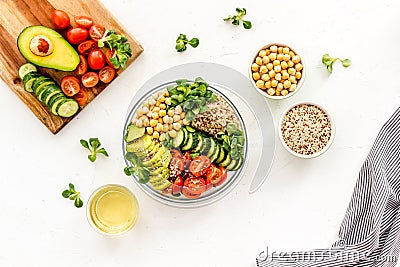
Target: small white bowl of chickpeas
point(276, 71)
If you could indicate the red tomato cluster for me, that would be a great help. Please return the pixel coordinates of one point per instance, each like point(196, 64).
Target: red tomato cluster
point(94, 65)
point(192, 177)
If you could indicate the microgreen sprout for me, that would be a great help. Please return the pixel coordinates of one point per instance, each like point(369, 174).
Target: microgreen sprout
point(73, 195)
point(94, 147)
point(328, 62)
point(236, 19)
point(182, 41)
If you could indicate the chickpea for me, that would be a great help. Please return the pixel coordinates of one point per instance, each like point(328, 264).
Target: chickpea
point(154, 115)
point(176, 118)
point(278, 77)
point(152, 102)
point(145, 110)
point(272, 56)
point(285, 75)
point(170, 112)
point(277, 93)
point(271, 91)
point(163, 106)
point(139, 123)
point(268, 51)
point(284, 65)
point(254, 67)
point(274, 83)
point(170, 127)
point(168, 101)
point(279, 87)
point(149, 114)
point(146, 104)
point(165, 128)
point(178, 110)
point(263, 69)
point(265, 77)
point(292, 87)
point(154, 96)
point(183, 114)
point(162, 137)
point(291, 53)
point(172, 133)
point(270, 66)
point(170, 120)
point(292, 79)
point(291, 71)
point(146, 123)
point(186, 122)
point(153, 123)
point(156, 135)
point(161, 98)
point(166, 119)
point(286, 57)
point(262, 53)
point(280, 49)
point(296, 59)
point(273, 48)
point(159, 127)
point(284, 92)
point(286, 84)
point(278, 68)
point(260, 84)
point(298, 66)
point(158, 103)
point(271, 73)
point(162, 113)
point(265, 60)
point(256, 76)
point(259, 60)
point(298, 75)
point(268, 85)
point(286, 50)
point(166, 93)
point(276, 62)
point(176, 126)
point(290, 64)
point(279, 57)
point(160, 120)
point(149, 130)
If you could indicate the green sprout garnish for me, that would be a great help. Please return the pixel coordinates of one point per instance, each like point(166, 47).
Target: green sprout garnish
point(73, 195)
point(94, 147)
point(236, 19)
point(182, 41)
point(328, 62)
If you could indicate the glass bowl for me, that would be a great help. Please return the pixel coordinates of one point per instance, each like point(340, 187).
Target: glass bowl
point(164, 196)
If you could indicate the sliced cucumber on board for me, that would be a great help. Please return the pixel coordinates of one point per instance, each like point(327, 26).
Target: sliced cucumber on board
point(25, 69)
point(29, 79)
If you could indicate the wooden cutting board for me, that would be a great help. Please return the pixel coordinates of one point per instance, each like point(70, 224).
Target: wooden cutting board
point(15, 15)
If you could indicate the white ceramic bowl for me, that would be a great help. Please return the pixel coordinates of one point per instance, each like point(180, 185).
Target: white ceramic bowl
point(264, 92)
point(328, 145)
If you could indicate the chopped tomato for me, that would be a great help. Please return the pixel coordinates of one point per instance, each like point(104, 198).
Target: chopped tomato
point(109, 54)
point(106, 74)
point(176, 166)
point(77, 35)
point(177, 185)
point(60, 19)
point(96, 32)
point(86, 47)
point(70, 85)
point(187, 156)
point(215, 175)
point(167, 190)
point(188, 194)
point(90, 79)
point(224, 175)
point(82, 66)
point(199, 165)
point(176, 152)
point(194, 185)
point(96, 59)
point(83, 21)
point(81, 97)
point(187, 159)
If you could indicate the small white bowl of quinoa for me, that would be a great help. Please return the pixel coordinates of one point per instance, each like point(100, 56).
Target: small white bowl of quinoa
point(306, 130)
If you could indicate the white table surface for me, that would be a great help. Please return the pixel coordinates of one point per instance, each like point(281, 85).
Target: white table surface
point(301, 204)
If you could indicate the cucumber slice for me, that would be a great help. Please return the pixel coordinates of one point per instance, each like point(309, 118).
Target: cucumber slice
point(222, 155)
point(232, 165)
point(25, 69)
point(46, 89)
point(206, 146)
point(190, 129)
point(42, 87)
point(213, 147)
point(199, 144)
point(215, 155)
point(238, 165)
point(53, 106)
point(189, 142)
point(39, 82)
point(52, 91)
point(226, 161)
point(67, 108)
point(29, 80)
point(178, 140)
point(53, 98)
point(186, 137)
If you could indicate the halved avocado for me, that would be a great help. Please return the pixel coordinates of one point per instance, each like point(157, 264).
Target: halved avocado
point(62, 57)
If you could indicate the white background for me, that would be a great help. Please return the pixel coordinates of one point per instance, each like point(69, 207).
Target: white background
point(301, 204)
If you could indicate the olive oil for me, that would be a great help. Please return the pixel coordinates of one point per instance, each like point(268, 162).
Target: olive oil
point(112, 209)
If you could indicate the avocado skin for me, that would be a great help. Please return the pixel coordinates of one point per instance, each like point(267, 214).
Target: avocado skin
point(64, 56)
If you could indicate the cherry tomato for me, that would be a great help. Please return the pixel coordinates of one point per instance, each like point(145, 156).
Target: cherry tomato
point(77, 35)
point(96, 32)
point(70, 85)
point(187, 156)
point(96, 59)
point(82, 66)
point(194, 185)
point(175, 152)
point(106, 74)
point(81, 97)
point(214, 175)
point(90, 79)
point(176, 166)
point(188, 194)
point(60, 19)
point(187, 159)
point(86, 47)
point(83, 21)
point(109, 54)
point(167, 190)
point(199, 165)
point(177, 185)
point(224, 175)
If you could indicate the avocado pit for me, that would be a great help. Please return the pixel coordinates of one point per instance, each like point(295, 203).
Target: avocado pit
point(41, 46)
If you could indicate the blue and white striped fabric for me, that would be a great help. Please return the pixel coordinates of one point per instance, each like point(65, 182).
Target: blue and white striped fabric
point(369, 234)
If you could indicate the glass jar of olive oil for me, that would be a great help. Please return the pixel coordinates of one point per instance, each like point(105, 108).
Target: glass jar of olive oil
point(112, 209)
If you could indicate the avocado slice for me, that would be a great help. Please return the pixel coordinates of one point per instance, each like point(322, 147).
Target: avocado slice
point(140, 144)
point(155, 158)
point(134, 133)
point(45, 47)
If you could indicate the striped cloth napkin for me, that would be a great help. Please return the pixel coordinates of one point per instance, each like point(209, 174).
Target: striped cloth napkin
point(369, 234)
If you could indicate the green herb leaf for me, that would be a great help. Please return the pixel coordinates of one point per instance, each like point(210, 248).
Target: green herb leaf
point(194, 42)
point(247, 24)
point(329, 61)
point(93, 146)
point(66, 193)
point(236, 19)
point(102, 151)
point(94, 143)
point(73, 195)
point(329, 67)
point(346, 63)
point(71, 188)
point(78, 202)
point(92, 158)
point(182, 41)
point(84, 143)
point(190, 116)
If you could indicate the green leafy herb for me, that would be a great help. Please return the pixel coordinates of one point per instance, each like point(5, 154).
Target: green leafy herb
point(73, 195)
point(328, 62)
point(182, 41)
point(94, 147)
point(137, 168)
point(118, 44)
point(193, 97)
point(236, 19)
point(232, 140)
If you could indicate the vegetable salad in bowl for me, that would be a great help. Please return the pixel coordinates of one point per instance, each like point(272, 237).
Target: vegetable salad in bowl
point(185, 143)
